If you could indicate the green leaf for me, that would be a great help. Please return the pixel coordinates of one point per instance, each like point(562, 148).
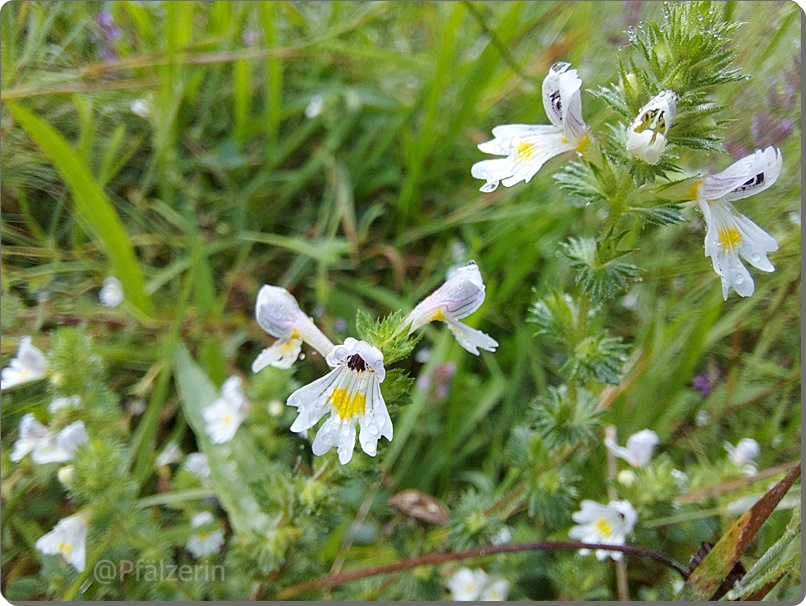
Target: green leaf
point(252, 489)
point(91, 204)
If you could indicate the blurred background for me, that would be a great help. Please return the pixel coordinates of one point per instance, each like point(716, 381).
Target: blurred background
point(326, 147)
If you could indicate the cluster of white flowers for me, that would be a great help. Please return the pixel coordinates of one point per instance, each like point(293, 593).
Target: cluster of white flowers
point(729, 234)
point(45, 445)
point(603, 524)
point(350, 394)
point(29, 365)
point(468, 585)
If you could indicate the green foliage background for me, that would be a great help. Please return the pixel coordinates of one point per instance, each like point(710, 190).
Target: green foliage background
point(227, 185)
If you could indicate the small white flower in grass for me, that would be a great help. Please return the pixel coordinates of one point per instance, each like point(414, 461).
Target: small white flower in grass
point(351, 393)
point(227, 413)
point(461, 294)
point(743, 454)
point(682, 479)
point(205, 543)
point(61, 447)
point(646, 137)
point(68, 539)
point(639, 447)
point(62, 403)
point(605, 524)
point(315, 106)
point(196, 463)
point(466, 585)
point(111, 293)
point(278, 313)
point(495, 591)
point(527, 147)
point(29, 365)
point(170, 454)
point(45, 446)
point(502, 537)
point(141, 107)
point(730, 234)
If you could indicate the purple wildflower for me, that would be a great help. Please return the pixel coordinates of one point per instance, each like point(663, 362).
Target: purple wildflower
point(702, 384)
point(438, 382)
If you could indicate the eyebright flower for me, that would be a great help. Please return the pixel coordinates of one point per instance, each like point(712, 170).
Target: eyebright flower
point(460, 295)
point(315, 106)
point(29, 365)
point(639, 447)
point(609, 524)
point(46, 446)
point(111, 293)
point(350, 392)
point(466, 585)
point(646, 137)
point(278, 313)
point(68, 539)
point(731, 234)
point(496, 591)
point(227, 413)
point(527, 147)
point(743, 454)
point(196, 463)
point(205, 543)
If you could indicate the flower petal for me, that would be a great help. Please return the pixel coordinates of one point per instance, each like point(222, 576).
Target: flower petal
point(471, 339)
point(282, 354)
point(750, 175)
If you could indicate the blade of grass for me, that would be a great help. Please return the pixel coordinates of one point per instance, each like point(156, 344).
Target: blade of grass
point(91, 204)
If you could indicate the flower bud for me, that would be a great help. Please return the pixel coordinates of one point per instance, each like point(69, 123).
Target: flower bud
point(646, 137)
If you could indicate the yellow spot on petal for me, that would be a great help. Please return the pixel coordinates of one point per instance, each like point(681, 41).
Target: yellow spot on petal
point(65, 548)
point(226, 419)
point(294, 335)
point(695, 191)
point(583, 143)
point(603, 527)
point(526, 151)
point(729, 237)
point(437, 316)
point(348, 406)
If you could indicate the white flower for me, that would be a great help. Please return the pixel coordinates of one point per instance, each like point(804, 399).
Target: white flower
point(466, 585)
point(626, 477)
point(639, 447)
point(743, 454)
point(315, 106)
point(196, 463)
point(646, 137)
point(275, 408)
point(460, 295)
point(29, 365)
point(496, 591)
point(502, 537)
point(62, 403)
point(170, 454)
point(681, 477)
point(527, 147)
point(227, 413)
point(702, 418)
point(351, 392)
point(111, 293)
point(731, 234)
point(61, 447)
point(278, 313)
point(141, 107)
point(608, 524)
point(677, 586)
point(205, 543)
point(46, 446)
point(68, 539)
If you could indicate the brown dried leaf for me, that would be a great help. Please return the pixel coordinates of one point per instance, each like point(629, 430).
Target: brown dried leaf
point(419, 505)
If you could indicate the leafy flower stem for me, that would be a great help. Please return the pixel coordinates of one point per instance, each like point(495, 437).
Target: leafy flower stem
point(438, 558)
